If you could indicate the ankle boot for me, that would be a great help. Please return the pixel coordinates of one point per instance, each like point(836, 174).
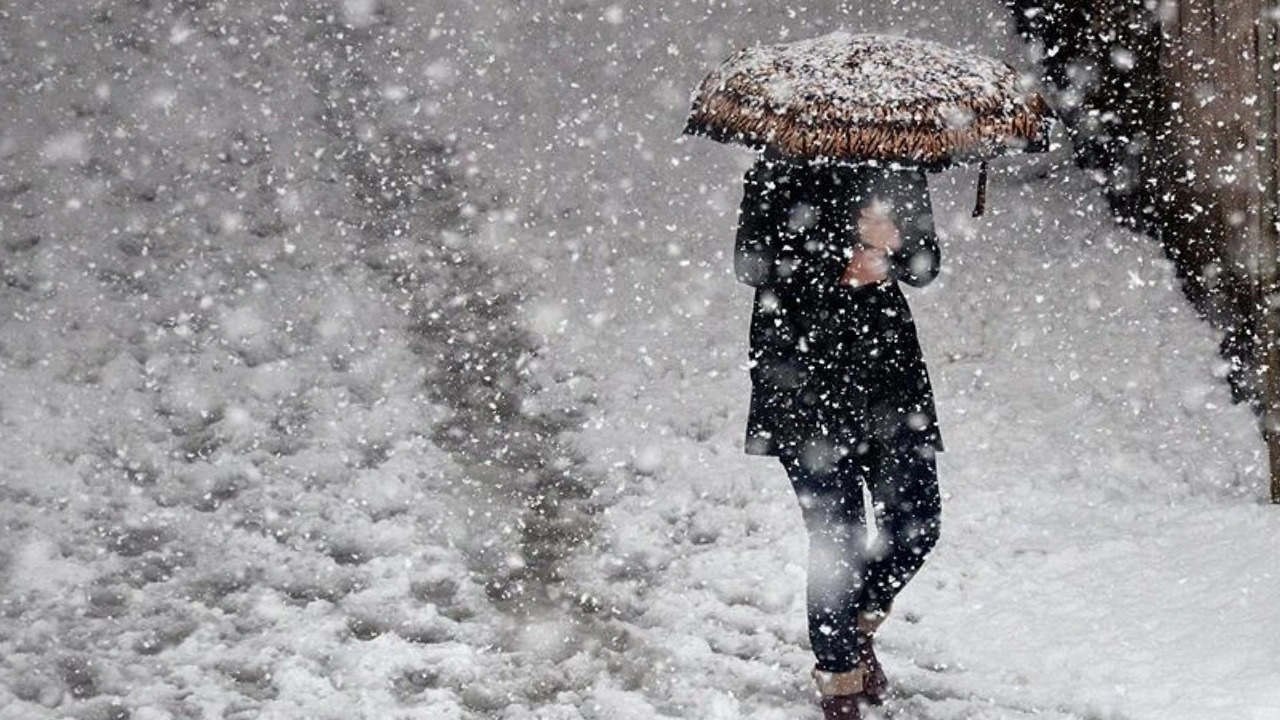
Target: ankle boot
point(840, 692)
point(875, 684)
point(841, 707)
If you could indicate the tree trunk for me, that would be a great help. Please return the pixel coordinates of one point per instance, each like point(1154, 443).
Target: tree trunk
point(1268, 45)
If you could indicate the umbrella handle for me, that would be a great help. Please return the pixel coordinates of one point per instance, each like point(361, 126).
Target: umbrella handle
point(980, 205)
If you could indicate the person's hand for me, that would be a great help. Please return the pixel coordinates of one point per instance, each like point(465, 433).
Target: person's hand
point(878, 237)
point(868, 266)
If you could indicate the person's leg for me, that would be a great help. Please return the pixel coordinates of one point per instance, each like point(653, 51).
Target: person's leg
point(831, 504)
point(908, 510)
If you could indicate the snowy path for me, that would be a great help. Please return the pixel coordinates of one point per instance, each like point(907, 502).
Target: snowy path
point(1103, 551)
point(220, 497)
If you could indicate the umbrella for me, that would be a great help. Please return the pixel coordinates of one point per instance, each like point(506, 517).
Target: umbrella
point(865, 98)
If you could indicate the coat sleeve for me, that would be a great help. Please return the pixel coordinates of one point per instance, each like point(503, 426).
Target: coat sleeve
point(770, 250)
point(760, 222)
point(918, 261)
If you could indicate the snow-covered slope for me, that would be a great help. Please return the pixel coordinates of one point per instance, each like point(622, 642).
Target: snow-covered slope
point(229, 483)
point(261, 452)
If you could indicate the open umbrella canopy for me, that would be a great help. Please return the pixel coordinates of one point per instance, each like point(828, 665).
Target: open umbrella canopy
point(871, 97)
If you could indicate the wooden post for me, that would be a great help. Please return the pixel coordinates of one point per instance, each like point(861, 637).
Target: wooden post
point(1268, 55)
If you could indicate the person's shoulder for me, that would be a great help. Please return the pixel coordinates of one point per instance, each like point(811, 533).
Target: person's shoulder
point(775, 164)
point(777, 173)
point(893, 177)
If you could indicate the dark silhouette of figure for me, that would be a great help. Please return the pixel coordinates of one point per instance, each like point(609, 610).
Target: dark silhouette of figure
point(840, 392)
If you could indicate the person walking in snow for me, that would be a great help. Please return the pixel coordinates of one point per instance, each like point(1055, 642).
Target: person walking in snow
point(840, 393)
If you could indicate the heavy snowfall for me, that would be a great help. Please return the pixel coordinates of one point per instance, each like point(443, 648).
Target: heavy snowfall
point(384, 359)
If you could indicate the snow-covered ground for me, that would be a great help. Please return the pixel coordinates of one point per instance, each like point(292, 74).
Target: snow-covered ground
point(229, 487)
point(1105, 552)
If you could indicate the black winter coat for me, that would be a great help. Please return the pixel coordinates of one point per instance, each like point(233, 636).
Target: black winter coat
point(833, 368)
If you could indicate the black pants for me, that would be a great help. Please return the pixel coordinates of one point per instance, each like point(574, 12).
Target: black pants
point(845, 577)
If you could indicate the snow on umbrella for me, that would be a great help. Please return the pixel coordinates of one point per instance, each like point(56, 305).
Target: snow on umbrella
point(872, 97)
